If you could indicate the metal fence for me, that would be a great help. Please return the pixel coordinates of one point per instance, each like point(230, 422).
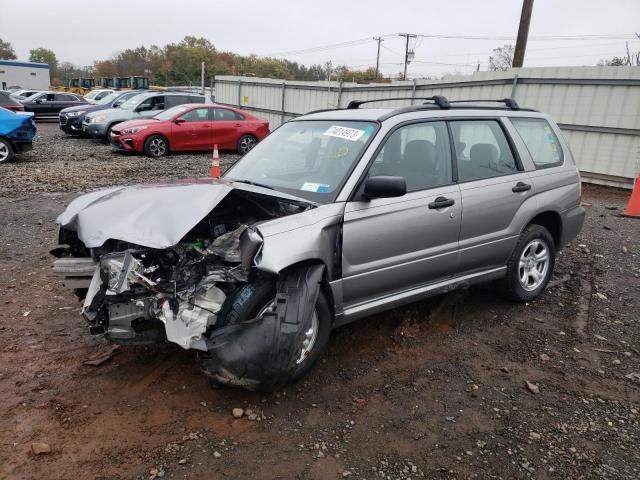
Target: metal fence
point(598, 108)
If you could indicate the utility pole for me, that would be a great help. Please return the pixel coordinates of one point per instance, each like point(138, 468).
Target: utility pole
point(408, 55)
point(523, 33)
point(202, 78)
point(379, 40)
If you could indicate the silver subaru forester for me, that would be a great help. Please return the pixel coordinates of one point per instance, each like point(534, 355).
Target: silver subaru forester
point(336, 215)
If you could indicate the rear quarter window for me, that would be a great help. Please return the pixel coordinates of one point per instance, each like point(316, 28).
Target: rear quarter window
point(542, 143)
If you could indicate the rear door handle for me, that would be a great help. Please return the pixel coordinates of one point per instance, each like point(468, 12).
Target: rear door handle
point(441, 202)
point(521, 187)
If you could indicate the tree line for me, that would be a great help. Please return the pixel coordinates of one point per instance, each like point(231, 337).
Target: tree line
point(180, 64)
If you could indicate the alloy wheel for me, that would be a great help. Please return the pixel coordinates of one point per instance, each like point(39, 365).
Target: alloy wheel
point(309, 337)
point(246, 144)
point(157, 147)
point(4, 152)
point(534, 264)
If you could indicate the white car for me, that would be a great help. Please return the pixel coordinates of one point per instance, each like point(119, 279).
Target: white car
point(95, 95)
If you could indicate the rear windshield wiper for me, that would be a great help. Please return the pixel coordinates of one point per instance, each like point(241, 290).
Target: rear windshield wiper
point(249, 182)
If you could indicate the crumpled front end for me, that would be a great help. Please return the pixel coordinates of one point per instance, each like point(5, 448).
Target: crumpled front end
point(144, 293)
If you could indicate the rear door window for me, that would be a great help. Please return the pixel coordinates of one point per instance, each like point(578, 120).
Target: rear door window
point(482, 150)
point(222, 114)
point(542, 143)
point(173, 100)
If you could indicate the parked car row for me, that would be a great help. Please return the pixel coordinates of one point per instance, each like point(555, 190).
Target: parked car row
point(157, 123)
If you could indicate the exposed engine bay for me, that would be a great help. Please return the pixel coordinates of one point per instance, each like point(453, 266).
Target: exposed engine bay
point(138, 294)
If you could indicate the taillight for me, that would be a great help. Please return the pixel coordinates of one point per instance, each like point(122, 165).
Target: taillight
point(579, 187)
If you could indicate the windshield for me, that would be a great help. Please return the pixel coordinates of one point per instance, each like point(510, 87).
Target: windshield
point(108, 99)
point(132, 102)
point(171, 112)
point(309, 159)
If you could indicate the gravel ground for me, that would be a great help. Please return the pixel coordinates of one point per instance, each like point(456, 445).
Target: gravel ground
point(437, 389)
point(62, 163)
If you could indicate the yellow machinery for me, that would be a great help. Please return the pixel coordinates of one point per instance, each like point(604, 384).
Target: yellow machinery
point(79, 86)
point(82, 86)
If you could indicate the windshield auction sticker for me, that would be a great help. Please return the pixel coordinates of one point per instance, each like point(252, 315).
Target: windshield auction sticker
point(352, 134)
point(316, 187)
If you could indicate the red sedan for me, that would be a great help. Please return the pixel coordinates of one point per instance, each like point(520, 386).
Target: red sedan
point(192, 126)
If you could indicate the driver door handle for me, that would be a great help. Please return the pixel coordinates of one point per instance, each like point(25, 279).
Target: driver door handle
point(521, 187)
point(441, 202)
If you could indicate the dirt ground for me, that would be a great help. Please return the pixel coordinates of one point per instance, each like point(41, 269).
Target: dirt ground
point(433, 390)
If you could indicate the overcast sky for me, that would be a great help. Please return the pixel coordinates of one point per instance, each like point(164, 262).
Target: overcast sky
point(83, 32)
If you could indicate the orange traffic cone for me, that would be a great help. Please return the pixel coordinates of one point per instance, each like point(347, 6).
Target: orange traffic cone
point(215, 163)
point(633, 207)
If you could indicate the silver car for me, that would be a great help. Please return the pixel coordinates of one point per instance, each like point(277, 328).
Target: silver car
point(98, 124)
point(336, 215)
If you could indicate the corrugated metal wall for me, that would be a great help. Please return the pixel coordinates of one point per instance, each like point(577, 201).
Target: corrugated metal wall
point(598, 108)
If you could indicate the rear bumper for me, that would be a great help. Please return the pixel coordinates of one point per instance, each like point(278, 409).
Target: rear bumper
point(572, 221)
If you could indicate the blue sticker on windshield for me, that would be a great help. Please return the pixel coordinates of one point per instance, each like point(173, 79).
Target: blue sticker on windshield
point(368, 130)
point(315, 187)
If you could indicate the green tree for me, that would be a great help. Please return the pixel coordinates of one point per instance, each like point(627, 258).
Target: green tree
point(44, 55)
point(6, 51)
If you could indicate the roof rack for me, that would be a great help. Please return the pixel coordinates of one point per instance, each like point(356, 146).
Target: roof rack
point(509, 102)
point(439, 100)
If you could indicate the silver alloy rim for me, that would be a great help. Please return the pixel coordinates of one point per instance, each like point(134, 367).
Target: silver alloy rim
point(310, 336)
point(4, 151)
point(157, 147)
point(533, 265)
point(247, 144)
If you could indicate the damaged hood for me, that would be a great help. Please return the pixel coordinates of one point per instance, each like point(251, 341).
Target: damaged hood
point(154, 216)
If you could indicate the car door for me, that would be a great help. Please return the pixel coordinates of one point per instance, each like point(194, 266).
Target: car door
point(225, 128)
point(493, 186)
point(394, 245)
point(193, 130)
point(43, 105)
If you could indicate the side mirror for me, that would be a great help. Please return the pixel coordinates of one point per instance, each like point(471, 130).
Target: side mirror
point(39, 100)
point(384, 187)
point(178, 121)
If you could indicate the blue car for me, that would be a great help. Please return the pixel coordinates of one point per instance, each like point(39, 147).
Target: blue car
point(16, 133)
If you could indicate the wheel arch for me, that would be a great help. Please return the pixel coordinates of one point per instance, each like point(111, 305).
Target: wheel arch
point(552, 221)
point(324, 285)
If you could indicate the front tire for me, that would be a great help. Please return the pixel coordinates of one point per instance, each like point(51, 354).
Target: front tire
point(156, 146)
point(531, 265)
point(6, 151)
point(246, 143)
point(256, 298)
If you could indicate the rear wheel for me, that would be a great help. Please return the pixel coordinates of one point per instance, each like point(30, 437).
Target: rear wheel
point(6, 151)
point(531, 265)
point(156, 146)
point(246, 143)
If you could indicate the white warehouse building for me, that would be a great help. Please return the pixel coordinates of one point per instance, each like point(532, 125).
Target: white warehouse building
point(24, 75)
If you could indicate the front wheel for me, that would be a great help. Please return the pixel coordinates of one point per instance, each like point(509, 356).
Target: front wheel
point(256, 299)
point(156, 146)
point(6, 151)
point(531, 264)
point(246, 143)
